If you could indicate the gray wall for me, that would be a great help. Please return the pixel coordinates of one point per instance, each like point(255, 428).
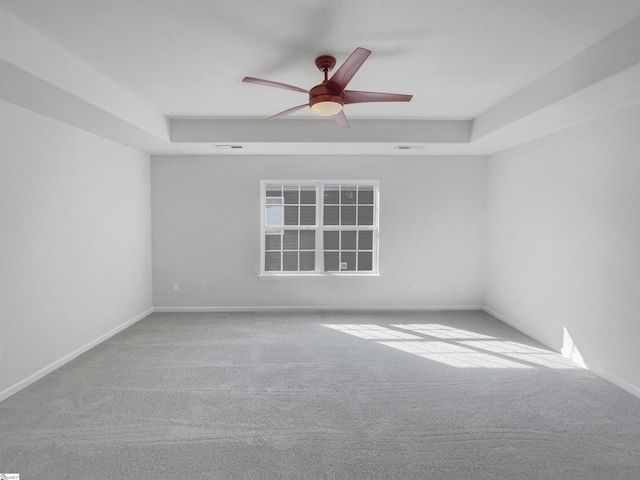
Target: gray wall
point(563, 222)
point(75, 242)
point(206, 228)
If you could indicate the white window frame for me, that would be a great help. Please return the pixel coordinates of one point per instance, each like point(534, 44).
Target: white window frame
point(320, 228)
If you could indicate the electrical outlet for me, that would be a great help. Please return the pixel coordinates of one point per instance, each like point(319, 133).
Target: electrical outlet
point(343, 265)
point(202, 286)
point(176, 286)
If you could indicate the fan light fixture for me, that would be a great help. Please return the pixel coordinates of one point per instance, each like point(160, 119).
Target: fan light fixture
point(326, 109)
point(324, 101)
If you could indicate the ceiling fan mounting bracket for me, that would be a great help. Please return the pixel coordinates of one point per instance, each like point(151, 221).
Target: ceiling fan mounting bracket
point(325, 63)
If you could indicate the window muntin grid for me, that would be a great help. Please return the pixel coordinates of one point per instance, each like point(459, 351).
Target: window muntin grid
point(319, 227)
point(349, 204)
point(290, 251)
point(348, 250)
point(290, 217)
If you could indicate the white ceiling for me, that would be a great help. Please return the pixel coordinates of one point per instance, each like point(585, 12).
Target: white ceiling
point(459, 58)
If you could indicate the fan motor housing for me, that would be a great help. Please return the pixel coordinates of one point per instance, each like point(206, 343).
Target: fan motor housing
point(322, 93)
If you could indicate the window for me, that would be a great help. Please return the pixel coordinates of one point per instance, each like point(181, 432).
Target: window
point(319, 228)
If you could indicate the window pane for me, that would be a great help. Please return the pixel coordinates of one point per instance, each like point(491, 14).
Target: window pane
point(332, 194)
point(349, 240)
point(365, 240)
point(290, 241)
point(331, 261)
point(365, 195)
point(290, 215)
point(274, 215)
point(274, 190)
point(273, 241)
point(290, 261)
point(308, 195)
point(307, 215)
point(307, 261)
point(348, 215)
point(348, 194)
point(272, 261)
point(350, 259)
point(332, 240)
point(365, 215)
point(307, 240)
point(291, 194)
point(331, 215)
point(365, 261)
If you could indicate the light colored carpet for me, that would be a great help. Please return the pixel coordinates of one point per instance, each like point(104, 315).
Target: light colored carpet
point(438, 395)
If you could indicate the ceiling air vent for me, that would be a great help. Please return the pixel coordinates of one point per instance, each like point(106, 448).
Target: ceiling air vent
point(409, 147)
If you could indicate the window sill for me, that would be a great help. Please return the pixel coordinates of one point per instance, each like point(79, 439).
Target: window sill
point(277, 276)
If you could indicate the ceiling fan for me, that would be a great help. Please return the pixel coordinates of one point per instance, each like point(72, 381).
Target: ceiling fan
point(328, 98)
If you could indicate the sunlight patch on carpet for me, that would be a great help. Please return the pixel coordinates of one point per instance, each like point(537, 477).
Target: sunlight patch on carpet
point(454, 355)
point(371, 332)
point(456, 347)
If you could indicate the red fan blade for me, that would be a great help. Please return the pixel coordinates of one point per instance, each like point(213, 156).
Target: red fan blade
point(341, 119)
point(287, 112)
point(269, 83)
point(348, 69)
point(351, 96)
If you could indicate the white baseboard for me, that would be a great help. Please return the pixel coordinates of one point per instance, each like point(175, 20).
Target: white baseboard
point(319, 308)
point(519, 327)
point(632, 389)
point(67, 358)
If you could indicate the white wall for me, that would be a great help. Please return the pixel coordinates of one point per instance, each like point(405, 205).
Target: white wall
point(206, 228)
point(563, 223)
point(75, 248)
